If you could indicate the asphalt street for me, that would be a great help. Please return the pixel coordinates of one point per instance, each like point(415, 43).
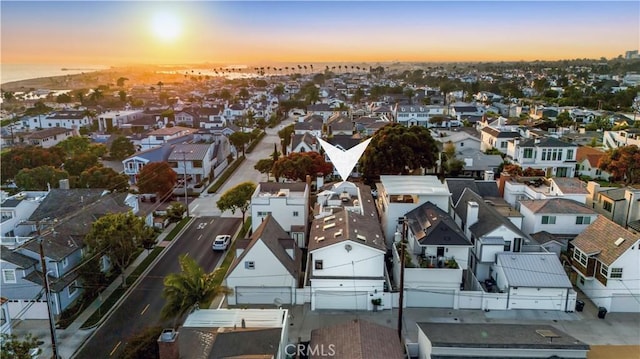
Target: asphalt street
point(141, 308)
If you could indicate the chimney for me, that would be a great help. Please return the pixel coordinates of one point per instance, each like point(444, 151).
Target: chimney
point(488, 175)
point(472, 216)
point(64, 183)
point(319, 181)
point(168, 344)
point(504, 177)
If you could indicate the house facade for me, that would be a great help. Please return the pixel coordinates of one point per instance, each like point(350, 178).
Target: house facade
point(618, 204)
point(556, 215)
point(417, 115)
point(195, 161)
point(49, 137)
point(606, 259)
point(557, 158)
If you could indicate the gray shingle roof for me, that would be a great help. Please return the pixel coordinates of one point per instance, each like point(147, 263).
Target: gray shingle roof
point(16, 258)
point(484, 188)
point(546, 142)
point(431, 226)
point(191, 152)
point(556, 206)
point(533, 270)
point(358, 339)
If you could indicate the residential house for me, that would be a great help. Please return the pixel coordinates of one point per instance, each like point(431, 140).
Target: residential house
point(437, 253)
point(234, 111)
point(398, 195)
point(275, 257)
point(20, 292)
point(485, 188)
point(557, 158)
point(587, 159)
point(417, 115)
point(166, 135)
point(606, 259)
point(69, 119)
point(339, 125)
point(356, 339)
point(619, 204)
point(287, 203)
point(528, 287)
point(111, 120)
point(582, 116)
point(368, 125)
point(310, 124)
point(479, 165)
point(304, 143)
point(63, 245)
point(133, 164)
point(556, 215)
point(460, 110)
point(212, 117)
point(462, 140)
point(490, 340)
point(497, 137)
point(187, 117)
point(14, 210)
point(627, 137)
point(506, 109)
point(229, 333)
point(5, 318)
point(321, 109)
point(47, 138)
point(489, 231)
point(195, 162)
point(346, 267)
point(515, 189)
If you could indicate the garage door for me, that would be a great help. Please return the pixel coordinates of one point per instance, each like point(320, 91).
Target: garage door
point(341, 300)
point(529, 298)
point(263, 295)
point(625, 303)
point(429, 298)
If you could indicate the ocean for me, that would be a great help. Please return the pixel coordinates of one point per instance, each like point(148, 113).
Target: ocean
point(18, 72)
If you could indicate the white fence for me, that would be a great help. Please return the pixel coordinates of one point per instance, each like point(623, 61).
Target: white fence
point(28, 309)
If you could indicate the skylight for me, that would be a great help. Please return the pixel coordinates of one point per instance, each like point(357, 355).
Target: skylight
point(619, 241)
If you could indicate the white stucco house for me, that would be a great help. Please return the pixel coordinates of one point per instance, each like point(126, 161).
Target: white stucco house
point(516, 189)
point(266, 269)
point(398, 195)
point(606, 259)
point(556, 215)
point(195, 161)
point(346, 261)
point(557, 158)
point(287, 203)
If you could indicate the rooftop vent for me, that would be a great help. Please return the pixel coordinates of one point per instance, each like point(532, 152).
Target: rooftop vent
point(338, 233)
point(361, 237)
point(327, 219)
point(619, 241)
point(327, 226)
point(320, 239)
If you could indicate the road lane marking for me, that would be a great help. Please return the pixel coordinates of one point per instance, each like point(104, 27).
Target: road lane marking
point(212, 221)
point(194, 208)
point(200, 237)
point(115, 348)
point(145, 309)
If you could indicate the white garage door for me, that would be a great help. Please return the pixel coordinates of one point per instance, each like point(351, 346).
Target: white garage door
point(341, 300)
point(531, 298)
point(625, 303)
point(429, 298)
point(263, 295)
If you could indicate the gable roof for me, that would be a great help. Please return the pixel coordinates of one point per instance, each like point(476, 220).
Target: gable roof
point(431, 226)
point(276, 239)
point(546, 142)
point(500, 134)
point(556, 206)
point(191, 152)
point(343, 226)
point(600, 237)
point(484, 188)
point(489, 218)
point(590, 154)
point(358, 339)
point(16, 258)
point(538, 270)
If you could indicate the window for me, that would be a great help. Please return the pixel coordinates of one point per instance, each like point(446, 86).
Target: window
point(604, 270)
point(580, 257)
point(583, 220)
point(616, 273)
point(173, 164)
point(296, 213)
point(65, 262)
point(507, 246)
point(318, 264)
point(607, 206)
point(503, 144)
point(197, 164)
point(569, 155)
point(528, 153)
point(9, 275)
point(581, 280)
point(548, 219)
point(73, 288)
point(250, 265)
point(263, 214)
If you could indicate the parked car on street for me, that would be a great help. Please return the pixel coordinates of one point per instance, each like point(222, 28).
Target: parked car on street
point(221, 243)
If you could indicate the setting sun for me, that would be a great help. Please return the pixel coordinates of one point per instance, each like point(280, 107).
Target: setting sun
point(166, 26)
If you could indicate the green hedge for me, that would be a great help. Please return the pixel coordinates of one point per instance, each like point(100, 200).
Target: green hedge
point(225, 175)
point(255, 142)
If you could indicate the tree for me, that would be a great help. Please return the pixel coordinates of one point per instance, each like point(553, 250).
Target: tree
point(396, 149)
point(14, 348)
point(298, 165)
point(39, 178)
point(279, 90)
point(265, 166)
point(176, 211)
point(79, 163)
point(121, 80)
point(237, 198)
point(189, 288)
point(564, 119)
point(118, 236)
point(29, 157)
point(75, 145)
point(285, 137)
point(157, 177)
point(451, 166)
point(623, 163)
point(104, 177)
point(121, 148)
point(123, 95)
point(239, 140)
point(143, 345)
point(243, 93)
point(63, 98)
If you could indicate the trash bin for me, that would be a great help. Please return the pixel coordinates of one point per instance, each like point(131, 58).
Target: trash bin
point(579, 305)
point(602, 311)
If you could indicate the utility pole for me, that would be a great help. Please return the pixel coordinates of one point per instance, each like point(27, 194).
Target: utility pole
point(402, 254)
point(184, 179)
point(45, 279)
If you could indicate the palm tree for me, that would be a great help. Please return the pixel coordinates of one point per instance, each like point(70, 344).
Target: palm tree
point(189, 288)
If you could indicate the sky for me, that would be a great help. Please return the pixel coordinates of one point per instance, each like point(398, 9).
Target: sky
point(245, 32)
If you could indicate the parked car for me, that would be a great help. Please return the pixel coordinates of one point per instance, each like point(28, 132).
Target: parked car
point(221, 243)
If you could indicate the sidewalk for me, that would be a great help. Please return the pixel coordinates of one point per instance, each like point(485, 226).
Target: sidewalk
point(71, 338)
